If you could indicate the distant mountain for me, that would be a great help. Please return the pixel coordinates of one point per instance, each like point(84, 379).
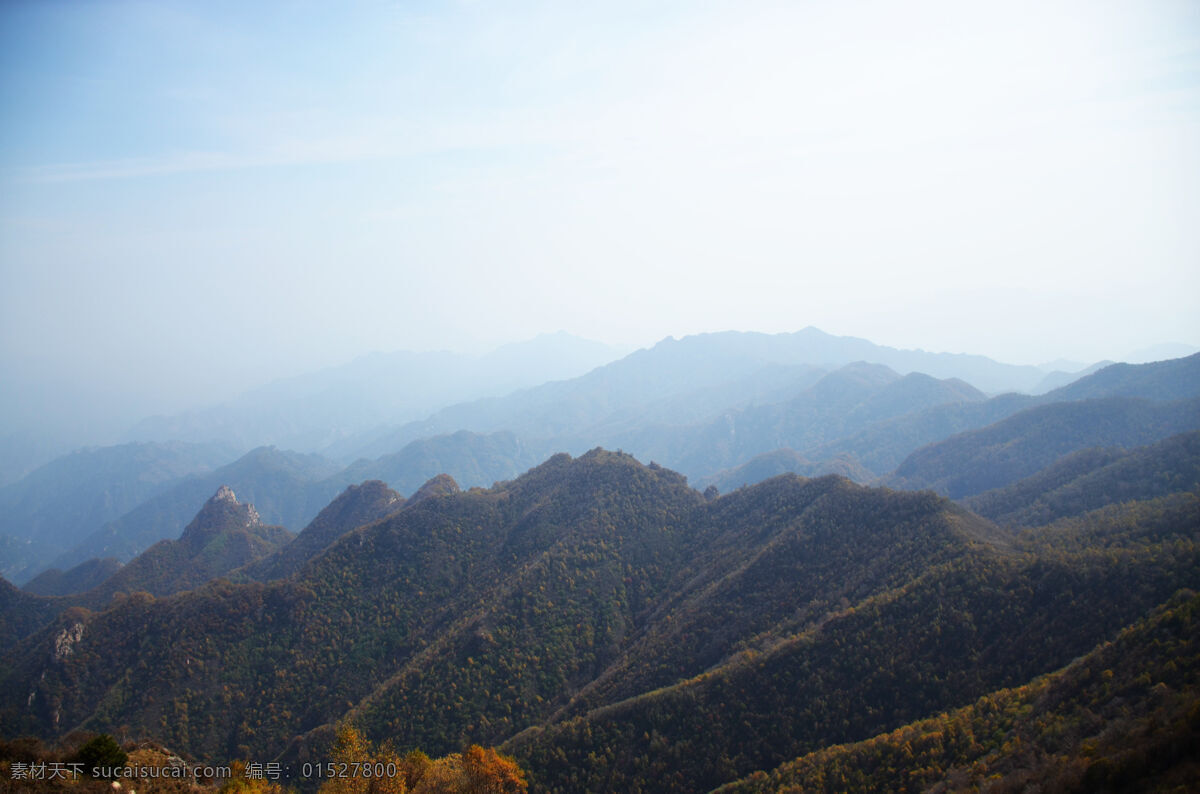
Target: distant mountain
point(1093, 478)
point(885, 445)
point(473, 459)
point(882, 446)
point(782, 461)
point(1056, 379)
point(83, 577)
point(1019, 446)
point(315, 411)
point(287, 488)
point(23, 451)
point(841, 403)
point(705, 404)
point(687, 381)
point(1174, 379)
point(814, 406)
point(224, 535)
point(1160, 352)
point(62, 502)
point(860, 418)
point(290, 488)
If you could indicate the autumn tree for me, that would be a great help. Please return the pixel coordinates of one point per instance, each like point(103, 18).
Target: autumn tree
point(476, 770)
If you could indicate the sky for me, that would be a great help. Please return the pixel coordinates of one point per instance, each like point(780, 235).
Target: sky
point(198, 197)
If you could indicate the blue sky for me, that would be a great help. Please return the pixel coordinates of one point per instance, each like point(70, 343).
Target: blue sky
point(198, 197)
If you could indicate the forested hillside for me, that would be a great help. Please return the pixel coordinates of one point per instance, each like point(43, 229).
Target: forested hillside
point(83, 577)
point(1095, 477)
point(224, 536)
point(356, 506)
point(608, 625)
point(1017, 447)
point(958, 631)
point(1123, 717)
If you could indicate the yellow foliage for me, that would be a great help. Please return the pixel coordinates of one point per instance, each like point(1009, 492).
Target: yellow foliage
point(474, 771)
point(358, 763)
point(238, 783)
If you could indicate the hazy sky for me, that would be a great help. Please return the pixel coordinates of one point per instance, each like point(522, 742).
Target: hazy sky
point(199, 196)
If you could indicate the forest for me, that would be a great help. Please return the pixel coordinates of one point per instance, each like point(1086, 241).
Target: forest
point(598, 624)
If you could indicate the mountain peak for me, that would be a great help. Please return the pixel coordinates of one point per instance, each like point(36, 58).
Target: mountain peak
point(224, 494)
point(440, 485)
point(356, 506)
point(222, 512)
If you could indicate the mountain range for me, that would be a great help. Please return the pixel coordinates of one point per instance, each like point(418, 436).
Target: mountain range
point(860, 420)
point(311, 412)
point(782, 571)
point(598, 618)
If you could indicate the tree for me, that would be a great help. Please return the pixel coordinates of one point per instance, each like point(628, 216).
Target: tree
point(363, 768)
point(101, 753)
point(475, 770)
point(489, 772)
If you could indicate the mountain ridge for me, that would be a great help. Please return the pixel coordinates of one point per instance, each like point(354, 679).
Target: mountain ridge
point(606, 622)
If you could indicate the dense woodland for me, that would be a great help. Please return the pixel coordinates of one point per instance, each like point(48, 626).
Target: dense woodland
point(611, 628)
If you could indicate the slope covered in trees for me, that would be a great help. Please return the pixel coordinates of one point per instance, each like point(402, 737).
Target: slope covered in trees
point(1126, 715)
point(1019, 446)
point(356, 506)
point(1162, 381)
point(289, 489)
point(1092, 478)
point(956, 633)
point(224, 536)
point(80, 579)
point(615, 629)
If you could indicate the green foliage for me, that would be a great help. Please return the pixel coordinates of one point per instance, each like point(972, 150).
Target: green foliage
point(100, 753)
point(612, 628)
point(81, 578)
point(1018, 447)
point(224, 535)
point(356, 506)
point(1093, 478)
point(952, 634)
point(1128, 713)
